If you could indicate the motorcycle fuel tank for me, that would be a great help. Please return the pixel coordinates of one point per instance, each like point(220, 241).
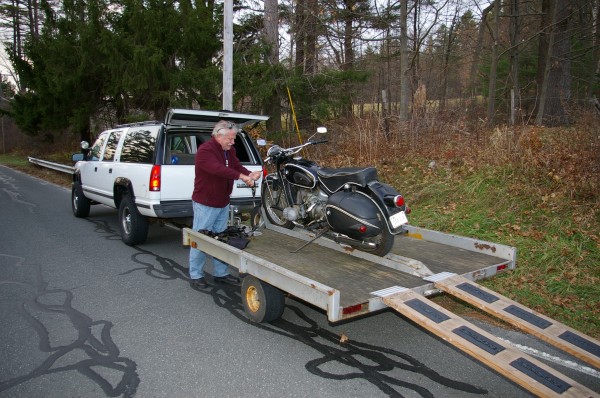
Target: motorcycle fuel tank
point(302, 174)
point(353, 214)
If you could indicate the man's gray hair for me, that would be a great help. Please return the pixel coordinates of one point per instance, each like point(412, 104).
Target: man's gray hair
point(223, 126)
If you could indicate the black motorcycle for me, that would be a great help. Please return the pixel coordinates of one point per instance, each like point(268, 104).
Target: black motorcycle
point(348, 204)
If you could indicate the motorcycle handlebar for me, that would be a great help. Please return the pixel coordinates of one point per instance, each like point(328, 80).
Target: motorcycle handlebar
point(296, 149)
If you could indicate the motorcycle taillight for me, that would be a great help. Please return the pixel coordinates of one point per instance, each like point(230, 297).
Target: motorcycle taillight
point(399, 201)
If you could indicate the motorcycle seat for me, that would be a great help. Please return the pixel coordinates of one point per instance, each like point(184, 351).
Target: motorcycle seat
point(334, 179)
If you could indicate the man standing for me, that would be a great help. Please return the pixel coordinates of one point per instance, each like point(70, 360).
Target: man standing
point(217, 167)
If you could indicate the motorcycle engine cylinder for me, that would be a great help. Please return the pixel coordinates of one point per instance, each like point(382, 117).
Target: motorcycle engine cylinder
point(290, 213)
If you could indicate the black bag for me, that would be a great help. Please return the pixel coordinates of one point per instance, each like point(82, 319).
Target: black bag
point(233, 236)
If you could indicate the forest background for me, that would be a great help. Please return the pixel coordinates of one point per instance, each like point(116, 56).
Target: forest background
point(482, 113)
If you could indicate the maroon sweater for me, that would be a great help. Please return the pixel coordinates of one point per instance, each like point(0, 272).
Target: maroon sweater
point(214, 178)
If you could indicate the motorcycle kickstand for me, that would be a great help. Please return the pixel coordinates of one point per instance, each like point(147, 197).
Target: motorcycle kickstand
point(310, 241)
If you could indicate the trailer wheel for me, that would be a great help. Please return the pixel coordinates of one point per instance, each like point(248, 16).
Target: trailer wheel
point(262, 302)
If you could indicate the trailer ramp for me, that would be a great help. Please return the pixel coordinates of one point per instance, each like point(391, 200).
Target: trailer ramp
point(526, 371)
point(553, 332)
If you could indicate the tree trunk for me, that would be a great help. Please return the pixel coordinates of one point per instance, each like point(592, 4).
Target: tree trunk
point(271, 23)
point(300, 33)
point(348, 62)
point(312, 9)
point(404, 71)
point(595, 68)
point(446, 67)
point(473, 83)
point(556, 87)
point(494, 66)
point(514, 58)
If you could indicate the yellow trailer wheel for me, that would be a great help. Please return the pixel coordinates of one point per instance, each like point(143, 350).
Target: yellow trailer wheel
point(262, 301)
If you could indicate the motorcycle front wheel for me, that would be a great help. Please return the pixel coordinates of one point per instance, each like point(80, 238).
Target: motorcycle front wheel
point(273, 202)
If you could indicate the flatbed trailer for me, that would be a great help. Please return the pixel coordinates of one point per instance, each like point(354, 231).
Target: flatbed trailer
point(341, 280)
point(347, 283)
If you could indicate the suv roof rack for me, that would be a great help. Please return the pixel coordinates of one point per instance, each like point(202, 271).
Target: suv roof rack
point(138, 123)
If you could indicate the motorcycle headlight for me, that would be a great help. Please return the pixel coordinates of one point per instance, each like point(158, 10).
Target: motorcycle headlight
point(274, 151)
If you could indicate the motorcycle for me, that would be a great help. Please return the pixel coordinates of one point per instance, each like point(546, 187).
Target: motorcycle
point(348, 205)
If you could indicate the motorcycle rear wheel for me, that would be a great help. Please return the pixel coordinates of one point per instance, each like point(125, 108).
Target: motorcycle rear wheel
point(273, 202)
point(383, 244)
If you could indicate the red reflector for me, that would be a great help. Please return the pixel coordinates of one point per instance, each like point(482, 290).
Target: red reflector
point(407, 210)
point(155, 178)
point(501, 267)
point(351, 309)
point(362, 229)
point(265, 172)
point(399, 201)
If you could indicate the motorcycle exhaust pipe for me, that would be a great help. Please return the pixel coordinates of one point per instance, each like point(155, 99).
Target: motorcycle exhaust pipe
point(353, 242)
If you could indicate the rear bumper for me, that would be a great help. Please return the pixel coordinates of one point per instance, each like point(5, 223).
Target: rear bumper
point(174, 209)
point(183, 208)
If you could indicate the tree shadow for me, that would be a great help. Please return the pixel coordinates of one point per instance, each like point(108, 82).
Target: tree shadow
point(91, 351)
point(358, 360)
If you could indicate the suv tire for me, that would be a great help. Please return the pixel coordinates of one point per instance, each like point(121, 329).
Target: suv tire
point(133, 226)
point(79, 203)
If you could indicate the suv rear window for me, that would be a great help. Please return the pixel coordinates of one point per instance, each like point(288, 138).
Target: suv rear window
point(181, 148)
point(138, 147)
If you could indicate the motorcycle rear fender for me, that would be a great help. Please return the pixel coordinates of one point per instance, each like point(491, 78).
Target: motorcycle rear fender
point(377, 191)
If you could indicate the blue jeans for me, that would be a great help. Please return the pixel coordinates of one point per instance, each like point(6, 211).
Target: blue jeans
point(214, 220)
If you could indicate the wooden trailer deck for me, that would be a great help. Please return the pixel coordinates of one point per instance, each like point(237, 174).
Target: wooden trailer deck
point(356, 278)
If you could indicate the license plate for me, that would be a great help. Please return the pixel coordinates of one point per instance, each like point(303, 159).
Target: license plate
point(398, 219)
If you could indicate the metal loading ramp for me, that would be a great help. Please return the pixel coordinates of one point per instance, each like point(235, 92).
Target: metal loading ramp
point(526, 371)
point(567, 339)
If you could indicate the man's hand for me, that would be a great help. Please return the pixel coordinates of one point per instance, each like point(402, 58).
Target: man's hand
point(255, 175)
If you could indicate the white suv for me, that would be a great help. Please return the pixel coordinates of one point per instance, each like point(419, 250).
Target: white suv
point(146, 170)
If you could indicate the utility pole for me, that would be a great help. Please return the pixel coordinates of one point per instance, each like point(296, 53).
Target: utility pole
point(228, 55)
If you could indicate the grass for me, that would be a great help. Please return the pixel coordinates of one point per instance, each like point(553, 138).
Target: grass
point(558, 270)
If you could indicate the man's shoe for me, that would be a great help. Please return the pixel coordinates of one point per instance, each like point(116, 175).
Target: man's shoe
point(232, 280)
point(199, 283)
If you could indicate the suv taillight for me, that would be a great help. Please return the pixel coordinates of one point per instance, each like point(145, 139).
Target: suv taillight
point(155, 178)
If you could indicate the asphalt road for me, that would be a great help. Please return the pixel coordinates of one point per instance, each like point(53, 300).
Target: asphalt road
point(84, 315)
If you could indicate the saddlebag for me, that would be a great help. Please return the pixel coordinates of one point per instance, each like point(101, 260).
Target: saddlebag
point(350, 212)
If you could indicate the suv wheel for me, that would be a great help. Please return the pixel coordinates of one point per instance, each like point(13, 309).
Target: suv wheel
point(79, 203)
point(133, 226)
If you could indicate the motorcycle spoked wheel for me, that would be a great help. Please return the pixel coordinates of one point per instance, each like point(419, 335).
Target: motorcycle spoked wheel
point(273, 202)
point(383, 244)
